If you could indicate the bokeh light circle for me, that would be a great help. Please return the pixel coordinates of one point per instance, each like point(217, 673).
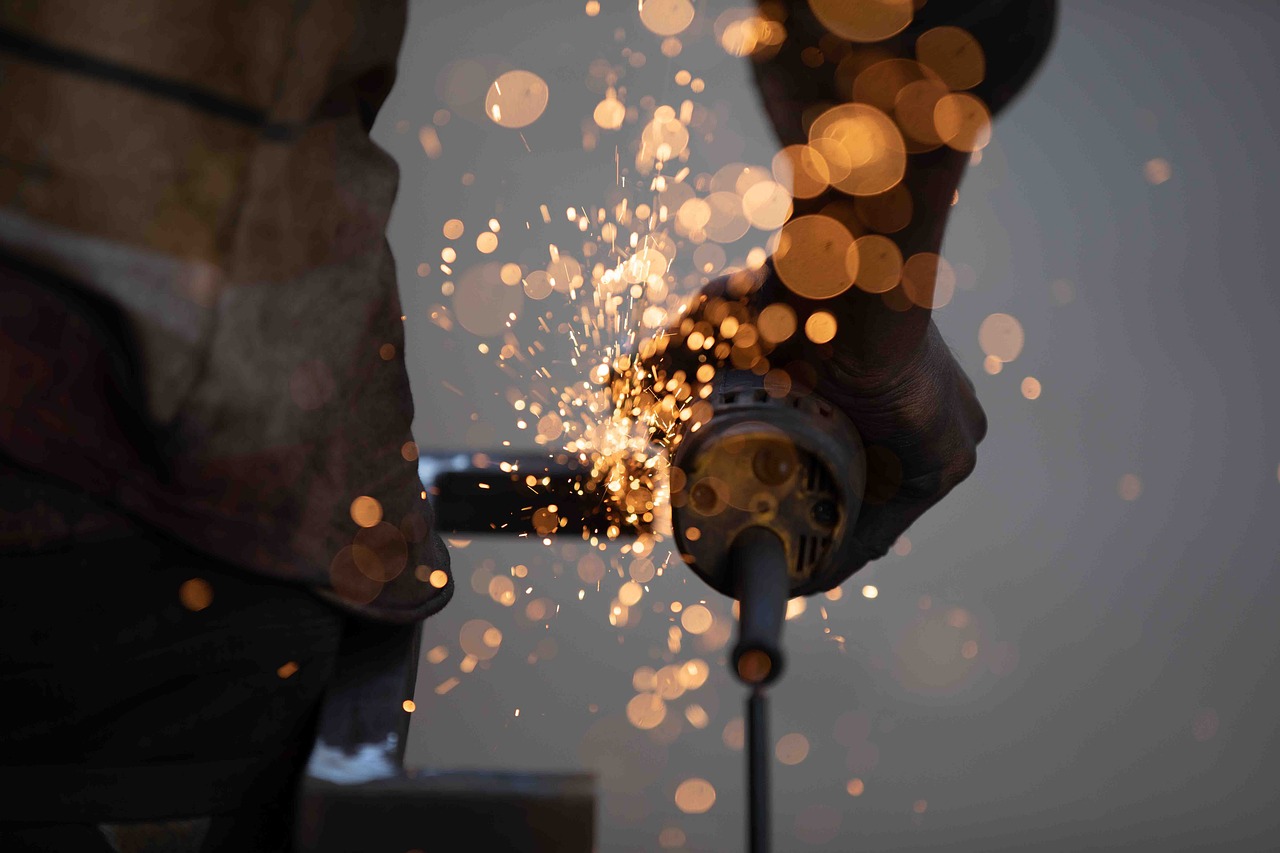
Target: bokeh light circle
point(863, 20)
point(815, 257)
point(873, 144)
point(666, 17)
point(1001, 337)
point(879, 263)
point(516, 99)
point(954, 55)
point(963, 122)
point(695, 796)
point(482, 303)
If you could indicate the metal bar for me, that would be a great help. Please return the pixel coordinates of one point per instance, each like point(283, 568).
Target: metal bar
point(474, 493)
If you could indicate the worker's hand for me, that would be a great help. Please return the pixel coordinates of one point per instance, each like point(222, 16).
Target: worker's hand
point(920, 424)
point(881, 360)
point(913, 406)
point(885, 365)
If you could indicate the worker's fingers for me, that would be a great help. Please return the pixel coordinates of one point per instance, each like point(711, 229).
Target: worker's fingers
point(920, 442)
point(878, 528)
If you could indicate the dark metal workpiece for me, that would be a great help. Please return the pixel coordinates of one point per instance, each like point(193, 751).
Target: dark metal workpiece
point(471, 493)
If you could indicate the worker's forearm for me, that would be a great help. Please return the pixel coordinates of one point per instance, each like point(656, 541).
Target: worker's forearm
point(813, 70)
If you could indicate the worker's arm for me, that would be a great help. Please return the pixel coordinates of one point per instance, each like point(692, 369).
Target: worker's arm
point(887, 366)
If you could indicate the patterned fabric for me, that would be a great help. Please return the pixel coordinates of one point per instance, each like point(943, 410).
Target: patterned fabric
point(199, 322)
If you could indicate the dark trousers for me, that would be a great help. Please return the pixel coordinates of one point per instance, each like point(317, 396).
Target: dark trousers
point(149, 692)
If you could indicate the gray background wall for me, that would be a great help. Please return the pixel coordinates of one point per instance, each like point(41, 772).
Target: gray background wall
point(1122, 693)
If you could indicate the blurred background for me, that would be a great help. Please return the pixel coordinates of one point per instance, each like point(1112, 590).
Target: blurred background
point(1078, 648)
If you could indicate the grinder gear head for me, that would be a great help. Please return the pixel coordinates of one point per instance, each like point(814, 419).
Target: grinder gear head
point(792, 464)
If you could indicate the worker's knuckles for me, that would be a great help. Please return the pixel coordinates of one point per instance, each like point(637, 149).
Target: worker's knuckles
point(921, 432)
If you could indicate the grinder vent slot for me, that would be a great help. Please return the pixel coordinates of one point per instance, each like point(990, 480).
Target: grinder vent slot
point(810, 552)
point(816, 477)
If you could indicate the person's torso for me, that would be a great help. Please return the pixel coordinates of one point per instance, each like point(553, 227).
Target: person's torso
point(199, 319)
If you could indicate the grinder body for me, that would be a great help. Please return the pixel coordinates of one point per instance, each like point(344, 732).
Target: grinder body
point(791, 464)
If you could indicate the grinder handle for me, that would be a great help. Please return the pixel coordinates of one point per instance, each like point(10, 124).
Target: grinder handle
point(762, 585)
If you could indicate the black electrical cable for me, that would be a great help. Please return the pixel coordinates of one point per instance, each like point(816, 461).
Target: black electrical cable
point(757, 772)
